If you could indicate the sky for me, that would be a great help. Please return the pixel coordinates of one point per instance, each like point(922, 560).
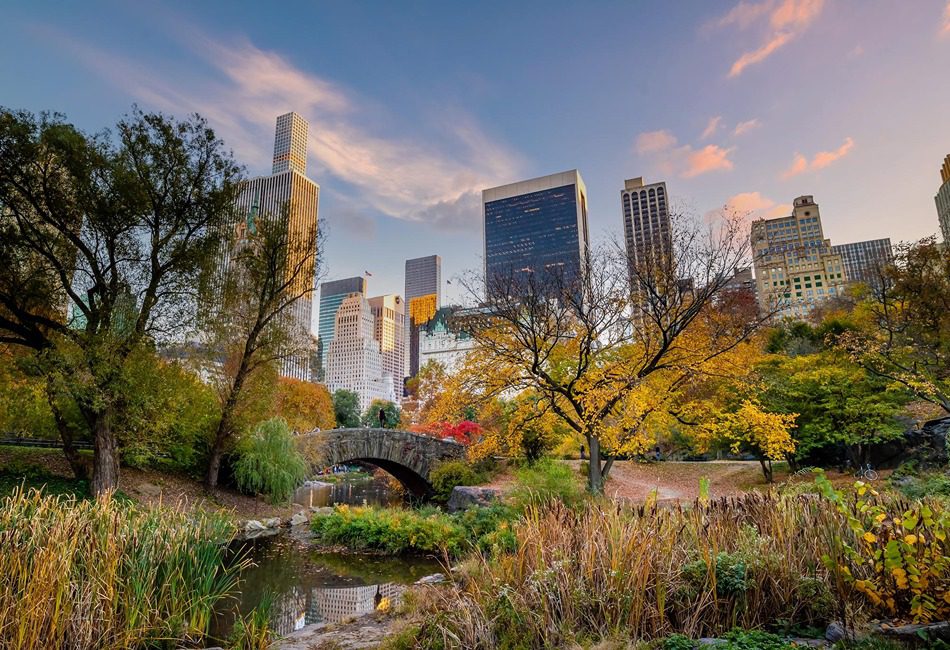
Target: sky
point(415, 107)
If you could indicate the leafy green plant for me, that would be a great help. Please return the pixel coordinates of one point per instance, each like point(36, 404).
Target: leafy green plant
point(448, 474)
point(268, 462)
point(252, 631)
point(544, 482)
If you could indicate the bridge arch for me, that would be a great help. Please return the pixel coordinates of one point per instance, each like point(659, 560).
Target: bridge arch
point(407, 456)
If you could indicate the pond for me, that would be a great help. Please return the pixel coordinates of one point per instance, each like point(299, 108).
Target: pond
point(307, 585)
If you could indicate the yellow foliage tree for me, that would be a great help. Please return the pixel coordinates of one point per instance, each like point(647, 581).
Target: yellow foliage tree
point(605, 359)
point(305, 405)
point(751, 429)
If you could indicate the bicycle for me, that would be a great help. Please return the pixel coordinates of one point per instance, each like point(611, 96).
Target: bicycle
point(866, 472)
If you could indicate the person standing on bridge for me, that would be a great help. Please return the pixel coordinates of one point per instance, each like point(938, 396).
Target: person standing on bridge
point(382, 418)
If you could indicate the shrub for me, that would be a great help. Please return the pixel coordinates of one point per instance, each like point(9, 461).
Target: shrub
point(108, 575)
point(448, 474)
point(546, 481)
point(427, 530)
point(268, 462)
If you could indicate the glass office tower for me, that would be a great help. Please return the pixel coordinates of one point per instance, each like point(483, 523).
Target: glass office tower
point(535, 227)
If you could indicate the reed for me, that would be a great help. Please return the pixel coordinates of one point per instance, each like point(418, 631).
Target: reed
point(105, 574)
point(607, 571)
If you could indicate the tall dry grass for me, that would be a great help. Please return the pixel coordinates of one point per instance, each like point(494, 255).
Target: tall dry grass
point(608, 572)
point(105, 574)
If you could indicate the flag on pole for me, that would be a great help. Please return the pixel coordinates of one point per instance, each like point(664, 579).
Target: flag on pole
point(368, 273)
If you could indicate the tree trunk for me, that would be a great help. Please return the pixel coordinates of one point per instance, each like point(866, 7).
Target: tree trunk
point(217, 453)
point(766, 469)
point(105, 459)
point(76, 463)
point(595, 478)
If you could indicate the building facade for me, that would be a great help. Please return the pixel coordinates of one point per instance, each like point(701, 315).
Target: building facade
point(535, 227)
point(864, 260)
point(389, 330)
point(795, 268)
point(331, 296)
point(442, 343)
point(354, 358)
point(943, 200)
point(646, 225)
point(287, 195)
point(423, 297)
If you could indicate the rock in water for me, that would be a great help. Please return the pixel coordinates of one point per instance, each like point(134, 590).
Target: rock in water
point(464, 497)
point(299, 519)
point(835, 632)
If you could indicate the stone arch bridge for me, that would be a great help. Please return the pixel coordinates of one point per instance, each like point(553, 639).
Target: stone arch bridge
point(408, 456)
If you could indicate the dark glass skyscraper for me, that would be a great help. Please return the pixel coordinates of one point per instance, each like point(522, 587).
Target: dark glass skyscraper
point(535, 227)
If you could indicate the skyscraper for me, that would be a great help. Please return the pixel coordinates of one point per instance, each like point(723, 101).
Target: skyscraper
point(331, 296)
point(863, 260)
point(535, 227)
point(289, 195)
point(646, 224)
point(389, 329)
point(943, 200)
point(354, 359)
point(795, 268)
point(423, 298)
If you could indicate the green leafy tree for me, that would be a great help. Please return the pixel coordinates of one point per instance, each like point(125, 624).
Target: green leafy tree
point(268, 462)
point(381, 413)
point(272, 267)
point(102, 242)
point(346, 408)
point(838, 402)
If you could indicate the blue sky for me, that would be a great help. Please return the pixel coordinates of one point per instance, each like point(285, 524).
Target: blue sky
point(415, 107)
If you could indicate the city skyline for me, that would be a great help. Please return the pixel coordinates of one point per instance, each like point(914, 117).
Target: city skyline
point(747, 108)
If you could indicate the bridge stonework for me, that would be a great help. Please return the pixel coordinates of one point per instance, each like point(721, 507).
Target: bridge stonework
point(407, 456)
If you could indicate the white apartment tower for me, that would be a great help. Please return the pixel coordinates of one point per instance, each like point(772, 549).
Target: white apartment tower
point(290, 144)
point(354, 359)
point(389, 330)
point(795, 267)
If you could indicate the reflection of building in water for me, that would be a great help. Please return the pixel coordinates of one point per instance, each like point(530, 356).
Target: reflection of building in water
point(288, 612)
point(333, 605)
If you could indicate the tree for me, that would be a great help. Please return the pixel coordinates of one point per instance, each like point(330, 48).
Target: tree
point(748, 428)
point(346, 408)
point(904, 326)
point(837, 402)
point(305, 405)
point(272, 267)
point(617, 341)
point(381, 413)
point(102, 241)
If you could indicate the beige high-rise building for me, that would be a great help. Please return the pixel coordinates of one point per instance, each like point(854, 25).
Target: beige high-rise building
point(354, 358)
point(795, 268)
point(289, 195)
point(943, 201)
point(389, 329)
point(646, 224)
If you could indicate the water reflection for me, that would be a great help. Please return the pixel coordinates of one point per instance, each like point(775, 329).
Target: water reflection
point(373, 491)
point(308, 586)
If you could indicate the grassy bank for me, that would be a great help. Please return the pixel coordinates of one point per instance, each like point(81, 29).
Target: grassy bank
point(105, 574)
point(607, 572)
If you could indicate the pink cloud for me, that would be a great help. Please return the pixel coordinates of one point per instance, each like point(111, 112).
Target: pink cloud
point(711, 127)
point(708, 159)
point(655, 141)
point(744, 127)
point(945, 30)
point(755, 203)
point(782, 21)
point(822, 159)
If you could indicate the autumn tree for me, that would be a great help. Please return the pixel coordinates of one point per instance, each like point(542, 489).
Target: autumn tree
point(305, 405)
point(748, 428)
point(271, 267)
point(102, 240)
point(616, 341)
point(904, 326)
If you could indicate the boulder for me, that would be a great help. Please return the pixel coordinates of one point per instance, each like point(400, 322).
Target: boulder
point(464, 497)
point(433, 579)
point(299, 519)
point(253, 525)
point(273, 522)
point(836, 632)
